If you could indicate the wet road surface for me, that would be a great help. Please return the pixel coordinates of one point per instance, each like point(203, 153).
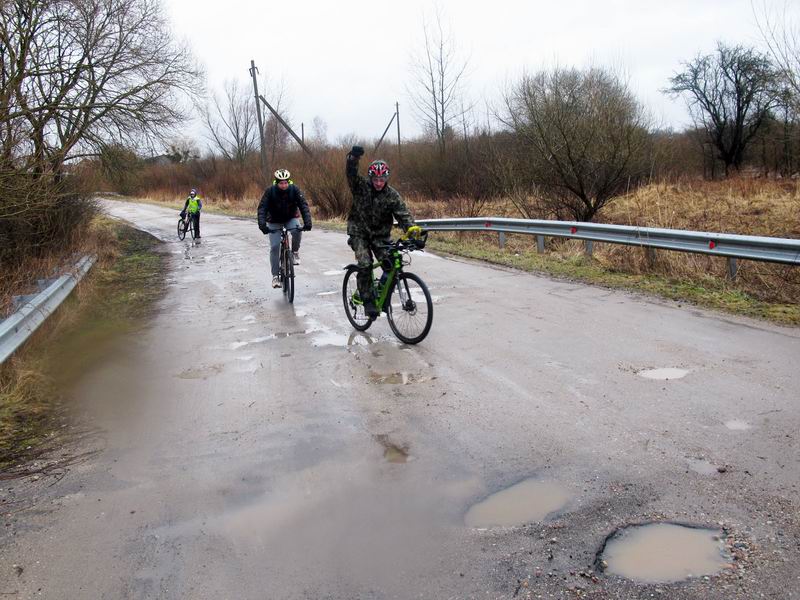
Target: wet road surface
point(254, 449)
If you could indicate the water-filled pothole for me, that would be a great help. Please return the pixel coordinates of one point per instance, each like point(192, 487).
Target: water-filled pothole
point(663, 374)
point(393, 453)
point(702, 466)
point(663, 552)
point(527, 501)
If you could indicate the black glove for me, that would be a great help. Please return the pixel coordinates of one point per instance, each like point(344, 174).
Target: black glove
point(264, 229)
point(183, 214)
point(307, 226)
point(357, 152)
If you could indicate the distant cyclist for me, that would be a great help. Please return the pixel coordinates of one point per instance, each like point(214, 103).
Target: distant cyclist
point(369, 225)
point(193, 206)
point(281, 206)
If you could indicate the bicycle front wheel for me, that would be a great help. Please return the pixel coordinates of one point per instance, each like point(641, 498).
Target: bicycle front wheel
point(353, 307)
point(181, 229)
point(288, 275)
point(191, 228)
point(410, 309)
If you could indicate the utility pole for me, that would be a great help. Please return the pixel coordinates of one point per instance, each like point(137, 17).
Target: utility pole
point(397, 112)
point(385, 131)
point(303, 132)
point(253, 72)
point(286, 126)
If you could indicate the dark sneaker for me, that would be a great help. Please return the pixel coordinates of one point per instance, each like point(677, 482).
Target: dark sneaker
point(371, 310)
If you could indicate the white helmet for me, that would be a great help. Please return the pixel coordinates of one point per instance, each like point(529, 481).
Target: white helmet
point(282, 175)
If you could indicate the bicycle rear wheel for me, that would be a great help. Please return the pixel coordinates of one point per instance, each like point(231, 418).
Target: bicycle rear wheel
point(410, 309)
point(287, 265)
point(353, 307)
point(181, 229)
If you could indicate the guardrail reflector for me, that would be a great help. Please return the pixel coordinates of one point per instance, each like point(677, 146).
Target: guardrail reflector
point(573, 230)
point(712, 244)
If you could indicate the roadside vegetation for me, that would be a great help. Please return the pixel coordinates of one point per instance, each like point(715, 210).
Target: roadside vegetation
point(112, 300)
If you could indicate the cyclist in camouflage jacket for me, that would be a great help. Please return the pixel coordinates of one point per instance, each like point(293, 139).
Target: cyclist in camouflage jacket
point(369, 225)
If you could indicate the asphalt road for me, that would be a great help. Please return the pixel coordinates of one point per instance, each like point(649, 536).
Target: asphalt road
point(255, 449)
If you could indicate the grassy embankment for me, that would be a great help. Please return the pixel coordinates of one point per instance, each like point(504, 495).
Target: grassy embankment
point(111, 301)
point(742, 206)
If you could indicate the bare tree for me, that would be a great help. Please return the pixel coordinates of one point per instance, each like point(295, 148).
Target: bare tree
point(582, 137)
point(77, 77)
point(781, 34)
point(438, 76)
point(79, 74)
point(232, 124)
point(729, 94)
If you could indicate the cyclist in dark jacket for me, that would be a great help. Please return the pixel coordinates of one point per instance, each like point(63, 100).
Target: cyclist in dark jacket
point(280, 206)
point(369, 225)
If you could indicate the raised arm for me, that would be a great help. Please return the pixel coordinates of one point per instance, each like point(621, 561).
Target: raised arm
point(351, 168)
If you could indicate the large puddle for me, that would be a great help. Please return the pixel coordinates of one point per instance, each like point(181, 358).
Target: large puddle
point(528, 501)
point(664, 553)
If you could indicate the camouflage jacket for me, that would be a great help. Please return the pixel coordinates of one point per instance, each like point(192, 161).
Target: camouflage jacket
point(372, 213)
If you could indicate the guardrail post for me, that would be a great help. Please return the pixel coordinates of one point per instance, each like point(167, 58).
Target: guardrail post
point(540, 244)
point(589, 247)
point(650, 256)
point(732, 268)
point(501, 239)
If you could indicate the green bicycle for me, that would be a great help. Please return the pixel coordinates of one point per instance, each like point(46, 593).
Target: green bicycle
point(403, 296)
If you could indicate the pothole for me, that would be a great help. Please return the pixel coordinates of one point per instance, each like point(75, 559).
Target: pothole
point(663, 374)
point(702, 466)
point(201, 372)
point(663, 552)
point(525, 502)
point(401, 378)
point(392, 452)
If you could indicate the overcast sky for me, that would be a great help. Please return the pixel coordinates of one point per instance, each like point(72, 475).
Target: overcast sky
point(347, 62)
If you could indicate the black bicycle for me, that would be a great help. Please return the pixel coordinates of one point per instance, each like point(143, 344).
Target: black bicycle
point(286, 264)
point(186, 224)
point(403, 296)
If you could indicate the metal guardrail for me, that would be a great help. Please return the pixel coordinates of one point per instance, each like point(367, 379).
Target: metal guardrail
point(730, 246)
point(20, 325)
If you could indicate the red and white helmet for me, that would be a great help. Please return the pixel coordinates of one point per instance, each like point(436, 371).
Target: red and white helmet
point(378, 168)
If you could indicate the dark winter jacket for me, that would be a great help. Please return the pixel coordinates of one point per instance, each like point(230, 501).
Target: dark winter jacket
point(372, 214)
point(279, 206)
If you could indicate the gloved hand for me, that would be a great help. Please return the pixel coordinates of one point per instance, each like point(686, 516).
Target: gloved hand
point(357, 151)
point(307, 226)
point(264, 229)
point(183, 214)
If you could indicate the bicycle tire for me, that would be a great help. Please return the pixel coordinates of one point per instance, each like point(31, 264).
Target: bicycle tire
point(355, 312)
point(409, 308)
point(287, 269)
point(181, 229)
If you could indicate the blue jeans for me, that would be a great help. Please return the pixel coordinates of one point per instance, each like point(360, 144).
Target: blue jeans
point(275, 241)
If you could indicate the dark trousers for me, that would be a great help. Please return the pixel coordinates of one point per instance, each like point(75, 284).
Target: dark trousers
point(196, 221)
point(365, 249)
